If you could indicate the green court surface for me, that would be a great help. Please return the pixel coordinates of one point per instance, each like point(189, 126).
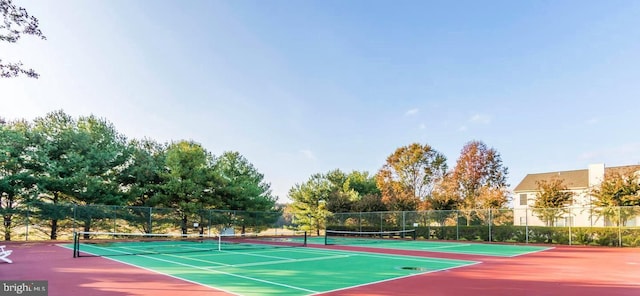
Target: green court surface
point(433, 246)
point(273, 270)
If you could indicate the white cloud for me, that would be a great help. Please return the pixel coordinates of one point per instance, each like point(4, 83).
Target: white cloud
point(308, 154)
point(411, 112)
point(422, 126)
point(480, 118)
point(462, 128)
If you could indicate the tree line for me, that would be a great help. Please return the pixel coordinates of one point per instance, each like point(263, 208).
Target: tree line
point(414, 177)
point(58, 159)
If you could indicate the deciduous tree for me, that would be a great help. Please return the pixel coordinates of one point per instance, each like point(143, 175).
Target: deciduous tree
point(481, 179)
point(552, 199)
point(409, 175)
point(16, 22)
point(618, 196)
point(445, 196)
point(347, 190)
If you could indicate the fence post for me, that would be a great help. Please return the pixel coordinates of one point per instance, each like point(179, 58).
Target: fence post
point(428, 222)
point(209, 223)
point(26, 233)
point(489, 224)
point(403, 220)
point(115, 217)
point(457, 225)
point(150, 223)
point(75, 214)
point(620, 226)
point(570, 223)
point(526, 223)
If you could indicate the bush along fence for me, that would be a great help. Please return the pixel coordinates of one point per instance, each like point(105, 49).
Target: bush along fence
point(47, 221)
point(617, 226)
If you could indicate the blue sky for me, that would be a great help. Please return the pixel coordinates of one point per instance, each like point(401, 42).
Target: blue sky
point(304, 87)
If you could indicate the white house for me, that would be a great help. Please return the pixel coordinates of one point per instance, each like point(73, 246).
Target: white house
point(579, 182)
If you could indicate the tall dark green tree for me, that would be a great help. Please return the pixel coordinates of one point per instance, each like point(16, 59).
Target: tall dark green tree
point(58, 160)
point(243, 189)
point(105, 155)
point(142, 181)
point(310, 202)
point(17, 182)
point(189, 181)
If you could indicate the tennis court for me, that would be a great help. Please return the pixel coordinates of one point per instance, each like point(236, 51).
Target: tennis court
point(364, 239)
point(562, 270)
point(265, 267)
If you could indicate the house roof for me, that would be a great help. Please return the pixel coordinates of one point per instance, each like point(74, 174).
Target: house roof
point(573, 180)
point(577, 179)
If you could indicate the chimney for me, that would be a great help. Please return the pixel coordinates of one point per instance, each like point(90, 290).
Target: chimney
point(596, 174)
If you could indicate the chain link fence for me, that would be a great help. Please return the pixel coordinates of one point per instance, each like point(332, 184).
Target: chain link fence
point(615, 226)
point(48, 221)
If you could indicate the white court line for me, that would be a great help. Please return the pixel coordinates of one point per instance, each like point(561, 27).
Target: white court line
point(446, 247)
point(397, 278)
point(158, 272)
point(255, 255)
point(310, 251)
point(399, 257)
point(536, 251)
point(218, 271)
point(489, 253)
point(285, 261)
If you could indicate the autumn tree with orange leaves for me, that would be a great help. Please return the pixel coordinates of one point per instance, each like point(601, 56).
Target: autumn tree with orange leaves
point(409, 175)
point(480, 180)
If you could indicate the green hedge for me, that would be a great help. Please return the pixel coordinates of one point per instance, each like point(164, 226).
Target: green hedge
point(593, 236)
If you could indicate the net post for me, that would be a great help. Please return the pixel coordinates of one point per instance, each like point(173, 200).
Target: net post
point(326, 240)
point(75, 244)
point(220, 242)
point(305, 238)
point(414, 234)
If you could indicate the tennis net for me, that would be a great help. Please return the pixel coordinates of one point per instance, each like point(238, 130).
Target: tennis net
point(341, 237)
point(91, 244)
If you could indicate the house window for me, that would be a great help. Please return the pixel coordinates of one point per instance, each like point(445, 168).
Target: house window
point(564, 222)
point(523, 220)
point(523, 199)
